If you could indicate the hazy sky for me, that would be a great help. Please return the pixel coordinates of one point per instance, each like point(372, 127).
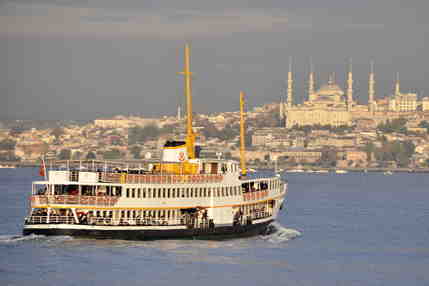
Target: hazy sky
point(81, 59)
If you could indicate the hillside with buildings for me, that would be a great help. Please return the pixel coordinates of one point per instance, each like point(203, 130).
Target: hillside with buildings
point(329, 129)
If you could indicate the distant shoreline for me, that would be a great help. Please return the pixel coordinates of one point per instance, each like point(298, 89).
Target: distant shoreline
point(305, 169)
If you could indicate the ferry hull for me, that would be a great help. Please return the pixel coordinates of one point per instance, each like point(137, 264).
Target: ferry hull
point(221, 232)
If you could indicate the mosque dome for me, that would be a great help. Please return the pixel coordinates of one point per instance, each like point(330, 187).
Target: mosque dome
point(330, 89)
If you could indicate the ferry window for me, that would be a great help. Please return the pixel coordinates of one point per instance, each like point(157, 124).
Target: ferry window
point(139, 193)
point(159, 193)
point(217, 192)
point(122, 213)
point(223, 192)
point(173, 193)
point(144, 193)
point(168, 193)
point(204, 192)
point(128, 193)
point(149, 192)
point(201, 192)
point(209, 192)
point(144, 213)
point(187, 192)
point(133, 193)
point(163, 192)
point(128, 214)
point(182, 192)
point(192, 193)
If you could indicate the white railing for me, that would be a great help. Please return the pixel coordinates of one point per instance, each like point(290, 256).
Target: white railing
point(53, 219)
point(38, 200)
point(255, 195)
point(123, 178)
point(134, 221)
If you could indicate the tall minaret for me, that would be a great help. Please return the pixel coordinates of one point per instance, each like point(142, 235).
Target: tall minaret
point(350, 87)
point(311, 80)
point(289, 84)
point(371, 89)
point(397, 85)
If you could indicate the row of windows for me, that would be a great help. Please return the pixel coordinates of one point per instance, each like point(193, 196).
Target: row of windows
point(182, 192)
point(138, 214)
point(189, 192)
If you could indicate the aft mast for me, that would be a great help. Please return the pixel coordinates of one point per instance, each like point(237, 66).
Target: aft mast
point(242, 143)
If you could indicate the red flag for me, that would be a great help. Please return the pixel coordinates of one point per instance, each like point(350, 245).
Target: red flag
point(42, 169)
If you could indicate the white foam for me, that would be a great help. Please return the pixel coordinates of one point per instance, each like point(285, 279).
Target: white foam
point(276, 233)
point(18, 238)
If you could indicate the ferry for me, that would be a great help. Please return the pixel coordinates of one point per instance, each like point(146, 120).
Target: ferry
point(179, 196)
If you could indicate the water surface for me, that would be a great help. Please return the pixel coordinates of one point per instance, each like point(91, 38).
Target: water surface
point(348, 229)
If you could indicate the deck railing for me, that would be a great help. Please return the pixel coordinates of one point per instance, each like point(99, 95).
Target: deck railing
point(123, 178)
point(73, 200)
point(54, 219)
point(255, 195)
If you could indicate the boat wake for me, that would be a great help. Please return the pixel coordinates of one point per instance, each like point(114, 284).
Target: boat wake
point(5, 239)
point(276, 233)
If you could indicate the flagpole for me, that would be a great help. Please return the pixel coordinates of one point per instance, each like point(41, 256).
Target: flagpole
point(44, 168)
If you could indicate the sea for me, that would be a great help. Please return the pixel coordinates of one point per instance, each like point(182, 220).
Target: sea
point(335, 229)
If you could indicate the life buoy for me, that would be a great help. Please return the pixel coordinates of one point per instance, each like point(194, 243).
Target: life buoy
point(181, 156)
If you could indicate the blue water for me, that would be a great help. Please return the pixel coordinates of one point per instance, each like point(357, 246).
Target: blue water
point(355, 229)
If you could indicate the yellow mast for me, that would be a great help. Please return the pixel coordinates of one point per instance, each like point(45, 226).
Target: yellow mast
point(242, 143)
point(190, 136)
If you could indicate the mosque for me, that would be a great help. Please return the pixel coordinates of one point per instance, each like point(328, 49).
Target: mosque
point(330, 105)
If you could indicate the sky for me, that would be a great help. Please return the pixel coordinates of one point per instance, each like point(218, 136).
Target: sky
point(86, 59)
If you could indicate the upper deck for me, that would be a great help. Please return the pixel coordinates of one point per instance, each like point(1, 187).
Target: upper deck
point(138, 172)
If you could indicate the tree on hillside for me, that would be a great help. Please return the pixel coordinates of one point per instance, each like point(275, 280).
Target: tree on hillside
point(112, 154)
point(396, 125)
point(77, 155)
point(370, 149)
point(7, 145)
point(57, 132)
point(135, 151)
point(91, 156)
point(65, 154)
point(140, 135)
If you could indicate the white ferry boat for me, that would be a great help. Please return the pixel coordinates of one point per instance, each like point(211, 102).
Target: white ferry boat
point(180, 196)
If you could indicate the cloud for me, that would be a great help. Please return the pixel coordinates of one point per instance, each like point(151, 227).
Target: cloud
point(44, 19)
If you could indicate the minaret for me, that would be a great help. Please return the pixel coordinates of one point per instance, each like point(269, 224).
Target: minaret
point(311, 80)
point(281, 104)
point(289, 84)
point(371, 89)
point(397, 85)
point(350, 87)
point(179, 113)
